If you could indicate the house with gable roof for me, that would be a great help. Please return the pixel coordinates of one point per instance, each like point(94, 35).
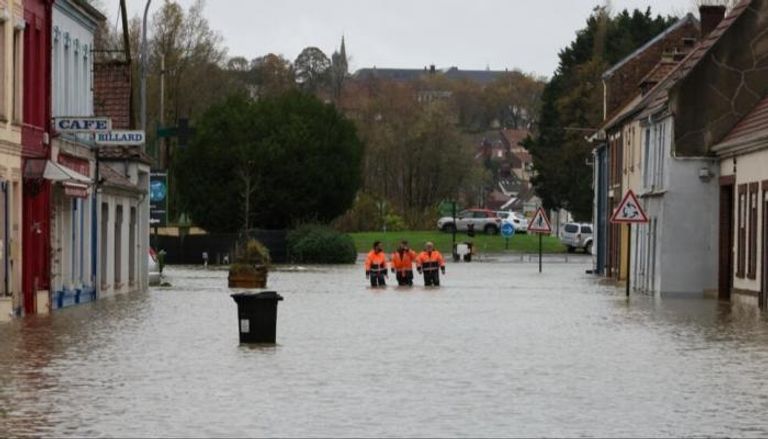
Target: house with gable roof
point(615, 154)
point(684, 249)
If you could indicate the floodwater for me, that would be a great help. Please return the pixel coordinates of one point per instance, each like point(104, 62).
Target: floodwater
point(499, 350)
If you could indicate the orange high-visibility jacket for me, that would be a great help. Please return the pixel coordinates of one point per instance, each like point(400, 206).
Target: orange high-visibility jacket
point(430, 261)
point(376, 262)
point(404, 263)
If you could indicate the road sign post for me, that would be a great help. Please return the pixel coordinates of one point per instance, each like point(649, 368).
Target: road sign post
point(507, 231)
point(540, 224)
point(629, 212)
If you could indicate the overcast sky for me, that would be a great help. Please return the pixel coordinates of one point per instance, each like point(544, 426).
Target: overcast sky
point(474, 34)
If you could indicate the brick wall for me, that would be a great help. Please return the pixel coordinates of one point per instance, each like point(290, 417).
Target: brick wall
point(112, 92)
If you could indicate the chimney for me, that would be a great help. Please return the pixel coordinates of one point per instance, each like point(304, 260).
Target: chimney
point(432, 68)
point(710, 16)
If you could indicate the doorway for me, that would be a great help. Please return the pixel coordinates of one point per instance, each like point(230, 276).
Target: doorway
point(764, 265)
point(725, 251)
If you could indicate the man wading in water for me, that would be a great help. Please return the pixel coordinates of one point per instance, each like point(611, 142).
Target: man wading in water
point(376, 266)
point(402, 264)
point(429, 262)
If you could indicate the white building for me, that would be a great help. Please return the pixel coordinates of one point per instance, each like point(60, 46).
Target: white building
point(11, 26)
point(675, 252)
point(123, 220)
point(100, 211)
point(72, 165)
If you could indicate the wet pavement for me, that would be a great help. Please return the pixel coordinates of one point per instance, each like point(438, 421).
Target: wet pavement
point(499, 350)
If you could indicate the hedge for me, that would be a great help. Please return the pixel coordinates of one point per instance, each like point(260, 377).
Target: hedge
point(312, 244)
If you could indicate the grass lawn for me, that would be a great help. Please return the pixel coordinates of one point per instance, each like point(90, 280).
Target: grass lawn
point(520, 243)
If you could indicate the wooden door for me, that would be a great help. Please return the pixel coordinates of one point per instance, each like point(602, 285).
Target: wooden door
point(725, 271)
point(764, 263)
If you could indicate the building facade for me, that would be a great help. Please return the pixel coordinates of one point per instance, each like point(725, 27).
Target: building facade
point(702, 237)
point(11, 23)
point(32, 110)
point(744, 209)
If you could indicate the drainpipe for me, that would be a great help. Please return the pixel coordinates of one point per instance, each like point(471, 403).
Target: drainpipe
point(605, 100)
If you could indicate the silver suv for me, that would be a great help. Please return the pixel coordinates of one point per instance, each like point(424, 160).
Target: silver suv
point(577, 236)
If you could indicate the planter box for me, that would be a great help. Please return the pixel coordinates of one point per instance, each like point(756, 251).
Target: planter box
point(255, 278)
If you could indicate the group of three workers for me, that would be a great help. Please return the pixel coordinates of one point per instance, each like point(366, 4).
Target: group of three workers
point(429, 263)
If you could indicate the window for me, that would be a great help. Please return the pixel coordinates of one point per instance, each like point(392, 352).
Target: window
point(647, 160)
point(741, 227)
point(752, 267)
point(653, 166)
point(586, 229)
point(67, 76)
point(132, 248)
point(571, 228)
point(104, 235)
point(661, 145)
point(118, 245)
point(17, 74)
point(3, 63)
point(86, 83)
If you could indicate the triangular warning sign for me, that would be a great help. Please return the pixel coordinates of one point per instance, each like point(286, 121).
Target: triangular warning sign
point(629, 211)
point(540, 223)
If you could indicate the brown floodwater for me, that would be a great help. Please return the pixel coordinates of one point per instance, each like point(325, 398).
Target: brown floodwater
point(498, 350)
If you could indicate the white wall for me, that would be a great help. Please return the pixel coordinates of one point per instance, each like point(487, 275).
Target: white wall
point(680, 256)
point(690, 242)
point(72, 63)
point(138, 175)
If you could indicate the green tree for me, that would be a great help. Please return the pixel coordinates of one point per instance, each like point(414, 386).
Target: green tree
point(572, 103)
point(273, 75)
point(270, 163)
point(312, 69)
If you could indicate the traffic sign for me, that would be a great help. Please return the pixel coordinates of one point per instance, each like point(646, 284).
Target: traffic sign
point(540, 223)
point(507, 229)
point(629, 211)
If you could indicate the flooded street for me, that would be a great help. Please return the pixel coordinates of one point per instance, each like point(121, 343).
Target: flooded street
point(499, 350)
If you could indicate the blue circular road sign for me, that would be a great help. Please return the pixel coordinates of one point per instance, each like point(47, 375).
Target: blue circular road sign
point(507, 230)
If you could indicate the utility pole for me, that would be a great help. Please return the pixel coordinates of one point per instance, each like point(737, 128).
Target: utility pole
point(163, 142)
point(129, 60)
point(144, 70)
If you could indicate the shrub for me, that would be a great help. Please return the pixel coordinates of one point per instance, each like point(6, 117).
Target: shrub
point(252, 253)
point(320, 245)
point(363, 216)
point(394, 222)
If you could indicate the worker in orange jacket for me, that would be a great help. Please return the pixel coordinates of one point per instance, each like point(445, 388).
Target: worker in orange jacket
point(402, 264)
point(430, 262)
point(376, 266)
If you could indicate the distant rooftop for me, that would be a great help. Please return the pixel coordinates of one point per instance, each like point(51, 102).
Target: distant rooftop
point(479, 76)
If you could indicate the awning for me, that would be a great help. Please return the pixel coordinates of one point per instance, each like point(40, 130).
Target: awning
point(56, 172)
point(75, 184)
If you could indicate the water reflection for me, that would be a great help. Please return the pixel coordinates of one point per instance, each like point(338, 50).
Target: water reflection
point(499, 350)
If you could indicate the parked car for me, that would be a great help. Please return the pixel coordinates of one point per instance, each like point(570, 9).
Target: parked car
point(519, 221)
point(482, 220)
point(577, 236)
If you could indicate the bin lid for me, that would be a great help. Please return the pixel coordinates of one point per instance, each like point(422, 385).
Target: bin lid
point(257, 295)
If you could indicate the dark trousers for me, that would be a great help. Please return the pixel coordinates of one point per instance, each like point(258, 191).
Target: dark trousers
point(431, 278)
point(377, 279)
point(405, 278)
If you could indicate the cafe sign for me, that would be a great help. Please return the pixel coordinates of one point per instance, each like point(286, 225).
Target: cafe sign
point(82, 124)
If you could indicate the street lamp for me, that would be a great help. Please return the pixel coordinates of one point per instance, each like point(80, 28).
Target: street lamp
point(144, 70)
